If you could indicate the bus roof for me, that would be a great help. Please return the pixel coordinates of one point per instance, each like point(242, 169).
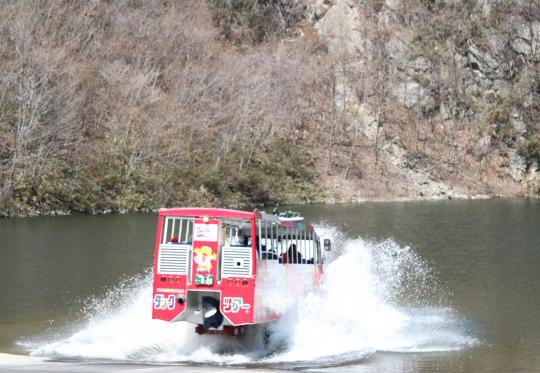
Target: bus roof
point(197, 212)
point(209, 212)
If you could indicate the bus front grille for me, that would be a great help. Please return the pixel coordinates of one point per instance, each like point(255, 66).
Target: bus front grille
point(174, 259)
point(236, 262)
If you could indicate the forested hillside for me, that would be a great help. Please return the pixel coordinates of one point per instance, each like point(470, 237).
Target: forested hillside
point(128, 105)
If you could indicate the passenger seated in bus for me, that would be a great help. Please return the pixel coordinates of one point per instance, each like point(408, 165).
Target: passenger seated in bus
point(269, 255)
point(292, 256)
point(173, 239)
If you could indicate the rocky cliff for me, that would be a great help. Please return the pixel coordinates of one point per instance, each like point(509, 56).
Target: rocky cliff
point(432, 99)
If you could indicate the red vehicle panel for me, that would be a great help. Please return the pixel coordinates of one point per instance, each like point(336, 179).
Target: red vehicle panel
point(207, 263)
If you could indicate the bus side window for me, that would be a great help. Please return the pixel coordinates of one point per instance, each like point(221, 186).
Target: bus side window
point(235, 232)
point(266, 240)
point(177, 230)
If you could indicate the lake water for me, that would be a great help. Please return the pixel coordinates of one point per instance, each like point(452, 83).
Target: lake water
point(411, 287)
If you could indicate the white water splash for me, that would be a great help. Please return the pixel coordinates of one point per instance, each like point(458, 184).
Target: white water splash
point(376, 297)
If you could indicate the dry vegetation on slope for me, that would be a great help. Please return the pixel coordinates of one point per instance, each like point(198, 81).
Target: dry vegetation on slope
point(138, 104)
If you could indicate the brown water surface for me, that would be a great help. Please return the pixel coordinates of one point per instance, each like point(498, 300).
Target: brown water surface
point(486, 255)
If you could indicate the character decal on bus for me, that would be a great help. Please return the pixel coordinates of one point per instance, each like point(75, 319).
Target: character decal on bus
point(204, 256)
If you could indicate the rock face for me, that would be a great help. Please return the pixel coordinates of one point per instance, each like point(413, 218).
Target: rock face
point(533, 180)
point(433, 101)
point(339, 30)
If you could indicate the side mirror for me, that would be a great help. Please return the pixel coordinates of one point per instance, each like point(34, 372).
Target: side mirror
point(327, 244)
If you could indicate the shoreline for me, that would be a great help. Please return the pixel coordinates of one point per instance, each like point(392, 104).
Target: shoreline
point(327, 201)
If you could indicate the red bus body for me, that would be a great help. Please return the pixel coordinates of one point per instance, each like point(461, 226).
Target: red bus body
point(220, 268)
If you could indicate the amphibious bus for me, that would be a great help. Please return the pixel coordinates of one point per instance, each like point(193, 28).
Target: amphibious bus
point(225, 269)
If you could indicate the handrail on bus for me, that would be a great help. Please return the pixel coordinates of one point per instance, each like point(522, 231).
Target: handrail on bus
point(294, 244)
